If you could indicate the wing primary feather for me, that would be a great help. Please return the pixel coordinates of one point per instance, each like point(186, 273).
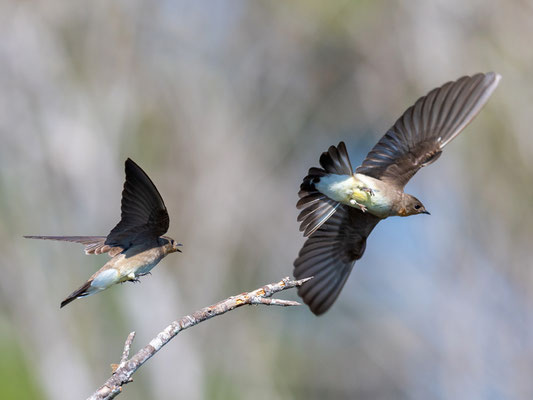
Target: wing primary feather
point(329, 255)
point(93, 244)
point(426, 127)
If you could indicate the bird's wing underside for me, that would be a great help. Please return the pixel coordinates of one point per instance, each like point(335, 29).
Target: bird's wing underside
point(317, 207)
point(419, 135)
point(144, 216)
point(329, 255)
point(93, 244)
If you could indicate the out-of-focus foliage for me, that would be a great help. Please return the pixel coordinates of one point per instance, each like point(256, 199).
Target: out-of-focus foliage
point(226, 104)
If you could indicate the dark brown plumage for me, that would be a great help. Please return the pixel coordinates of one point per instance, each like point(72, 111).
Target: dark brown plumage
point(144, 216)
point(329, 255)
point(419, 135)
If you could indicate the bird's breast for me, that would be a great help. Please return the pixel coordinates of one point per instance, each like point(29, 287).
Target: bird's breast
point(138, 261)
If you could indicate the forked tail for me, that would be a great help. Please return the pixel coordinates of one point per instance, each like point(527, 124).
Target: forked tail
point(317, 207)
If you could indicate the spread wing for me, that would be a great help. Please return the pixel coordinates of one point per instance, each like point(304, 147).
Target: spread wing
point(419, 135)
point(93, 244)
point(329, 255)
point(144, 216)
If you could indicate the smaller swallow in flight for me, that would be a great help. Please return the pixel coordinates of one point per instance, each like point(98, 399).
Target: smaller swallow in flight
point(135, 244)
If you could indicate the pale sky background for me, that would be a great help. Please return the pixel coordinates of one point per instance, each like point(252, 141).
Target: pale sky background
point(226, 104)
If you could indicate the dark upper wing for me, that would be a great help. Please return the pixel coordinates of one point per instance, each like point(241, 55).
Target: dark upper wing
point(93, 244)
point(329, 255)
point(144, 216)
point(419, 135)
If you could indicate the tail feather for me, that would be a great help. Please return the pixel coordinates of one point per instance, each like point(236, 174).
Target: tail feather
point(313, 217)
point(316, 207)
point(336, 160)
point(81, 292)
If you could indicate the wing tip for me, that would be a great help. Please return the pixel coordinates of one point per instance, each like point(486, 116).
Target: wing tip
point(319, 294)
point(494, 79)
point(494, 75)
point(130, 164)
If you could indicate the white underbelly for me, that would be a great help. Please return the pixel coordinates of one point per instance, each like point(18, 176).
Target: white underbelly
point(379, 204)
point(348, 189)
point(105, 279)
point(337, 187)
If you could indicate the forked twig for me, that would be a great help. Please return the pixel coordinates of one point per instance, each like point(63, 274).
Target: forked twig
point(122, 372)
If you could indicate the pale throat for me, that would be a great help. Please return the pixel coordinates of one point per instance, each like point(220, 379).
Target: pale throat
point(352, 190)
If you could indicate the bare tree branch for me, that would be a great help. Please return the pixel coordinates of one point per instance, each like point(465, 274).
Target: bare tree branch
point(122, 372)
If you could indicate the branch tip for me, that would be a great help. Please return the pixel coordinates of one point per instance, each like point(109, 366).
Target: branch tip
point(302, 281)
point(126, 352)
point(273, 302)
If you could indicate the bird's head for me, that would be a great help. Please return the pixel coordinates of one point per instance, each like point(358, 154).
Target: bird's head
point(171, 245)
point(410, 205)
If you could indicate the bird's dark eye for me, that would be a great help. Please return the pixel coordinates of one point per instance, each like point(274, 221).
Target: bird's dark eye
point(417, 207)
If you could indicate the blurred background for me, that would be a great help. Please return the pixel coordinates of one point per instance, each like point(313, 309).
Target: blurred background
point(226, 104)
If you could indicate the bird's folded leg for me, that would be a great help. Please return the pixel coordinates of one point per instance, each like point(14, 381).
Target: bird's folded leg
point(361, 206)
point(133, 278)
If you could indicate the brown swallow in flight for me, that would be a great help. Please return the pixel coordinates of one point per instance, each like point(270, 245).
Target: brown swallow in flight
point(136, 244)
point(340, 208)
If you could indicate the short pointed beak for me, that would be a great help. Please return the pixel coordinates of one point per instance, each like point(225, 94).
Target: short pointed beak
point(426, 212)
point(179, 244)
